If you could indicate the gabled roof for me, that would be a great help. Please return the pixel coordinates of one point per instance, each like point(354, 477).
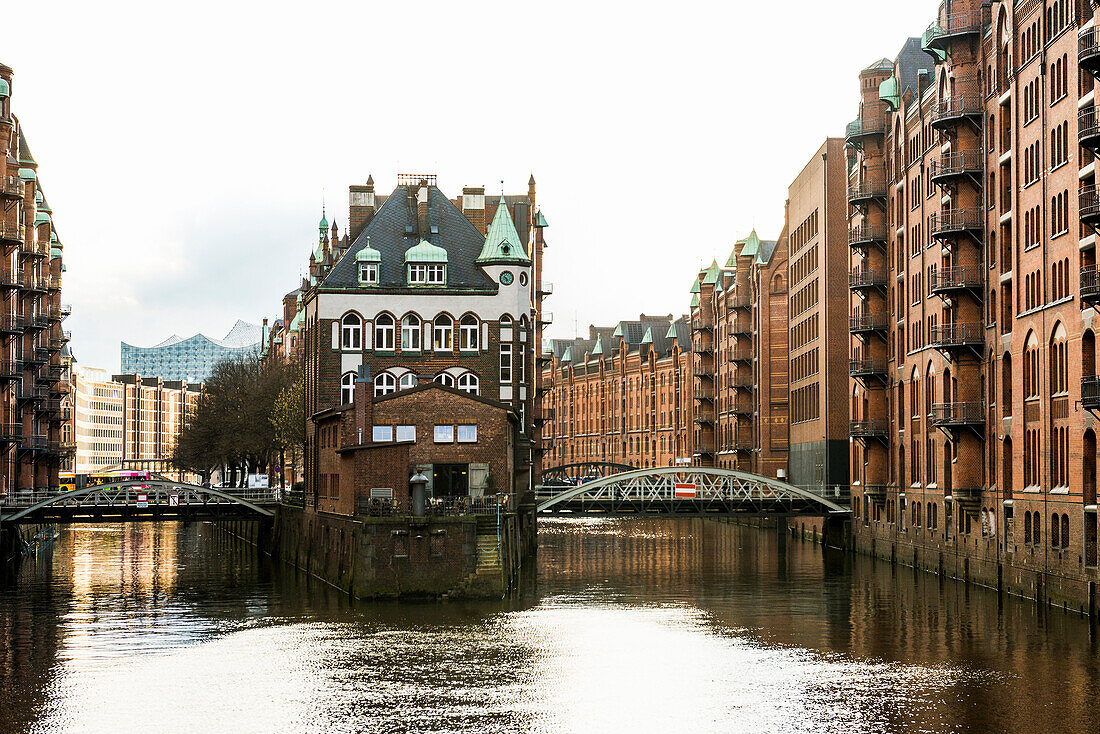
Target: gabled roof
point(24, 149)
point(711, 276)
point(502, 243)
point(751, 246)
point(392, 233)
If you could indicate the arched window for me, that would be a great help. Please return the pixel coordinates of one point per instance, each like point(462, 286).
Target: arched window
point(410, 333)
point(468, 382)
point(384, 384)
point(1027, 528)
point(1055, 541)
point(351, 330)
point(1031, 366)
point(383, 333)
point(468, 333)
point(1059, 371)
point(446, 379)
point(407, 380)
point(1036, 528)
point(1065, 531)
point(347, 388)
point(442, 333)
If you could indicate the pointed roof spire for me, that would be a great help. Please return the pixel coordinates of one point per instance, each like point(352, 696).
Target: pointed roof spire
point(597, 350)
point(531, 181)
point(648, 338)
point(712, 274)
point(323, 226)
point(694, 286)
point(502, 242)
point(370, 180)
point(752, 245)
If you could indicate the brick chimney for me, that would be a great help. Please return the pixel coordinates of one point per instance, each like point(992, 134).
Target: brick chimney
point(364, 406)
point(422, 211)
point(473, 206)
point(361, 207)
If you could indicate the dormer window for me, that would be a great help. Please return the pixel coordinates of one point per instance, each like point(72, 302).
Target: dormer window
point(427, 274)
point(368, 273)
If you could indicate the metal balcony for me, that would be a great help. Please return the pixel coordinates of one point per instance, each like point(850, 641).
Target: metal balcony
point(704, 393)
point(866, 278)
point(742, 444)
point(957, 337)
point(871, 188)
point(11, 235)
point(702, 325)
point(12, 187)
point(33, 249)
point(546, 317)
point(10, 369)
point(546, 289)
point(1088, 50)
point(37, 356)
point(859, 130)
point(11, 432)
point(952, 222)
point(870, 429)
point(704, 372)
point(955, 278)
point(704, 420)
point(950, 167)
point(1088, 128)
point(1088, 205)
point(704, 448)
point(950, 111)
point(741, 382)
point(10, 279)
point(740, 303)
point(1090, 392)
point(742, 409)
point(874, 491)
point(34, 443)
point(866, 235)
point(958, 415)
point(10, 324)
point(740, 355)
point(867, 368)
point(1090, 284)
point(960, 25)
point(36, 322)
point(702, 348)
point(739, 328)
point(35, 285)
point(867, 323)
point(66, 310)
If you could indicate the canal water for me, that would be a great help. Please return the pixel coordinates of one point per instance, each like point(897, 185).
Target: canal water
point(625, 625)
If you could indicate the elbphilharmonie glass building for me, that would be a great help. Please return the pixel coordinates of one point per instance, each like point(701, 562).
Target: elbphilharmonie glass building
point(191, 359)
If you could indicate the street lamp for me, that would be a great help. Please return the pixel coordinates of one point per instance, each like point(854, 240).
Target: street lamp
point(419, 482)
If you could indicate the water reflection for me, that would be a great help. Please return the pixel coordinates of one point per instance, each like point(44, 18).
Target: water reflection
point(629, 626)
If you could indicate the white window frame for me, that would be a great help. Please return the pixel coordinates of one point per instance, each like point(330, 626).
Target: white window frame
point(468, 334)
point(381, 434)
point(351, 334)
point(446, 379)
point(469, 429)
point(384, 332)
point(444, 433)
point(405, 433)
point(439, 331)
point(368, 273)
point(505, 364)
point(407, 381)
point(468, 382)
point(427, 274)
point(384, 384)
point(347, 388)
point(410, 333)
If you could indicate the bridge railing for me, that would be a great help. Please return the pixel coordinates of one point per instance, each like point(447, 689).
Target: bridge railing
point(435, 507)
point(154, 495)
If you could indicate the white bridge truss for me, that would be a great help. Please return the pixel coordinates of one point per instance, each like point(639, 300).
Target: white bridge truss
point(703, 490)
point(141, 499)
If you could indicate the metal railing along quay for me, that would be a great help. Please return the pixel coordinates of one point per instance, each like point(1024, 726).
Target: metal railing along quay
point(434, 506)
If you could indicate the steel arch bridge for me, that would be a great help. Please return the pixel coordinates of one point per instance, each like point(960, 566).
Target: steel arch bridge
point(136, 500)
point(597, 469)
point(685, 491)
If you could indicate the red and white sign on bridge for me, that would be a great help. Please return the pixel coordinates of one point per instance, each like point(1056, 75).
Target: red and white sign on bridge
point(685, 490)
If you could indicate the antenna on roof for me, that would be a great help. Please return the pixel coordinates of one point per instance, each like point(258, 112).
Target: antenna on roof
point(502, 189)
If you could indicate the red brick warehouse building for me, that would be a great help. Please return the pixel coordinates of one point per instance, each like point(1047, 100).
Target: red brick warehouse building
point(426, 289)
point(34, 357)
point(972, 184)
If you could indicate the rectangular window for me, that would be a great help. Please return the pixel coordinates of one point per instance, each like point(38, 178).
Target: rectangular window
point(467, 434)
point(427, 274)
point(368, 272)
point(505, 364)
point(406, 433)
point(383, 433)
point(444, 434)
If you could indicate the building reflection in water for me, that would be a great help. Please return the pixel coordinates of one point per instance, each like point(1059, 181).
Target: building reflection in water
point(631, 625)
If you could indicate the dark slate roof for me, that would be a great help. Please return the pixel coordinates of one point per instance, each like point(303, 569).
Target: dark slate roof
point(767, 247)
point(293, 294)
point(24, 149)
point(386, 231)
point(911, 59)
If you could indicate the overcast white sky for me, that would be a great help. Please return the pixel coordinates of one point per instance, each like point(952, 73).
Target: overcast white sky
point(184, 147)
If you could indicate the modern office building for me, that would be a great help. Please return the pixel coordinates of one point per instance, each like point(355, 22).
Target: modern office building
point(97, 426)
point(622, 395)
point(34, 360)
point(817, 207)
point(192, 359)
